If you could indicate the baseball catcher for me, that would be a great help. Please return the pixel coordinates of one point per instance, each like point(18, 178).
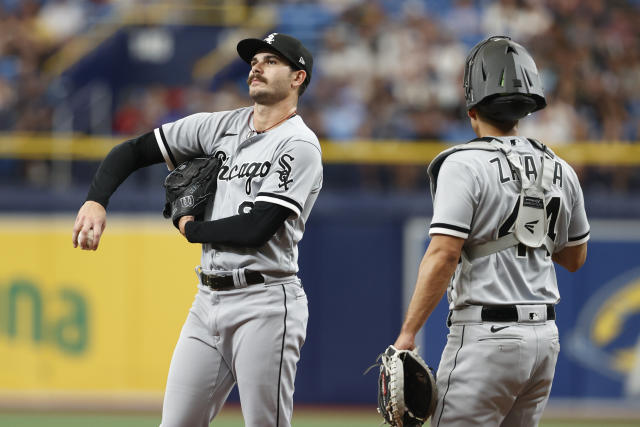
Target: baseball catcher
point(407, 392)
point(495, 235)
point(189, 187)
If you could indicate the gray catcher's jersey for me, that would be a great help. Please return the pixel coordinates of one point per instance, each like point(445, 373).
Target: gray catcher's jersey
point(475, 199)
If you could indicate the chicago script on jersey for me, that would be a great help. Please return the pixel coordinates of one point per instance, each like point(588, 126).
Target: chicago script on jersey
point(249, 171)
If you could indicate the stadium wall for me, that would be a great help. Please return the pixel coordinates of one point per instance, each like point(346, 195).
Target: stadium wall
point(105, 322)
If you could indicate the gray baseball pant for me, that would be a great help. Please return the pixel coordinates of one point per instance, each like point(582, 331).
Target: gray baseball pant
point(250, 337)
point(498, 378)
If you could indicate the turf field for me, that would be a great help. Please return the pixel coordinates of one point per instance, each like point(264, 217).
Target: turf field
point(233, 418)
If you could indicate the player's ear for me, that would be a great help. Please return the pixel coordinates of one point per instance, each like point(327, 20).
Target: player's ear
point(473, 117)
point(298, 78)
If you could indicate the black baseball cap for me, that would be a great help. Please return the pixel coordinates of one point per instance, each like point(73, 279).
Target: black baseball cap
point(289, 47)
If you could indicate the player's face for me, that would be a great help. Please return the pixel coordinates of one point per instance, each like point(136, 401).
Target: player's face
point(270, 78)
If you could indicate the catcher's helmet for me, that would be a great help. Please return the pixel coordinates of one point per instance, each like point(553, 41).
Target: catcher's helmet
point(501, 80)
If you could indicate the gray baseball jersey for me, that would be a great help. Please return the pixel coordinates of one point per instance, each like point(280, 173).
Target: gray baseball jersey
point(475, 199)
point(282, 166)
point(250, 336)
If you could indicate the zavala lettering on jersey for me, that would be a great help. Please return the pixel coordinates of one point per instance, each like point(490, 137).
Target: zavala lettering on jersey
point(530, 170)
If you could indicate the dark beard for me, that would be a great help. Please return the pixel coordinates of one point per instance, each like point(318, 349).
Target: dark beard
point(267, 98)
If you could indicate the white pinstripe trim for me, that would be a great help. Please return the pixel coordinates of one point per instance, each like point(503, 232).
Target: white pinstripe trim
point(279, 202)
point(163, 150)
point(447, 231)
point(578, 242)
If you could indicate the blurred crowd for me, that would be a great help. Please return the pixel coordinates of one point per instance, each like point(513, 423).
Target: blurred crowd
point(384, 69)
point(30, 31)
point(400, 76)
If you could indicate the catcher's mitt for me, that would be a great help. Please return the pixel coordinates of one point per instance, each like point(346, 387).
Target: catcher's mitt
point(407, 392)
point(189, 187)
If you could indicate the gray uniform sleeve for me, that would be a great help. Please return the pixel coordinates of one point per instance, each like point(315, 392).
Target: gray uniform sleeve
point(455, 200)
point(185, 138)
point(578, 232)
point(297, 172)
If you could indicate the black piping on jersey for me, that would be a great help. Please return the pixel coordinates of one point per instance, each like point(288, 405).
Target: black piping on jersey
point(450, 227)
point(281, 197)
point(483, 138)
point(455, 362)
point(166, 147)
point(284, 334)
point(435, 168)
point(573, 239)
point(539, 145)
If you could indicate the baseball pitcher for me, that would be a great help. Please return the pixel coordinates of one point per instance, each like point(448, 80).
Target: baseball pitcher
point(243, 183)
point(505, 209)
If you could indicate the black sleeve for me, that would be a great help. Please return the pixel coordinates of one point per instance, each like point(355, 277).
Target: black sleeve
point(121, 161)
point(250, 230)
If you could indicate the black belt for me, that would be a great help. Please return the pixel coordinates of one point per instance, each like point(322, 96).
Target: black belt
point(223, 283)
point(509, 313)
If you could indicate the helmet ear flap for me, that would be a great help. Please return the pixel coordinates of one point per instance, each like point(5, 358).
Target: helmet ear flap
point(506, 107)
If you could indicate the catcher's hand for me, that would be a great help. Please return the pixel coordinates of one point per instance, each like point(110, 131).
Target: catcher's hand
point(407, 392)
point(189, 187)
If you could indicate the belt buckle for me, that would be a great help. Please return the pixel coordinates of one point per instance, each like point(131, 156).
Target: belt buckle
point(216, 283)
point(205, 279)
